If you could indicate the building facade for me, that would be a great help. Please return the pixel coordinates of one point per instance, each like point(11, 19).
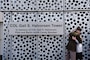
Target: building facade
point(73, 13)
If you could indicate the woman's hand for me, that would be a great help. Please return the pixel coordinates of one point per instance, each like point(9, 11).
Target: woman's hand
point(74, 38)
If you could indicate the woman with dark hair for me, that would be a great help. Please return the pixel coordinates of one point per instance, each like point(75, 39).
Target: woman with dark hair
point(79, 44)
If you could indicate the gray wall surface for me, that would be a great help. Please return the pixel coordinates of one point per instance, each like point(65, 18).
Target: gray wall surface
point(45, 47)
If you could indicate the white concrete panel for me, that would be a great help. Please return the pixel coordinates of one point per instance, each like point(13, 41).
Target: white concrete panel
point(1, 16)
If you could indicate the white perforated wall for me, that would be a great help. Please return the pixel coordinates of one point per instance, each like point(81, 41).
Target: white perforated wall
point(33, 47)
point(82, 19)
point(44, 47)
point(77, 4)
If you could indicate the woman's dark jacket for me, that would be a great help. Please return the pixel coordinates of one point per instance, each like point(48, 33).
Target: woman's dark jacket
point(72, 44)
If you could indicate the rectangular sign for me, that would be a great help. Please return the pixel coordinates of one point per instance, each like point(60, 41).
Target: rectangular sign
point(35, 28)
